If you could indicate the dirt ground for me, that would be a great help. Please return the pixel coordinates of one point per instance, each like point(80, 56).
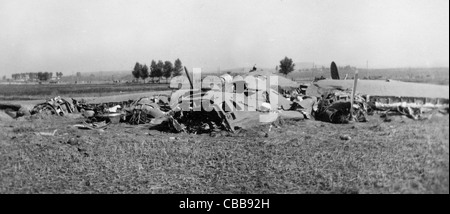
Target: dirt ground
point(306, 156)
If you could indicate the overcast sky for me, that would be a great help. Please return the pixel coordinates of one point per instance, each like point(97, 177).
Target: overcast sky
point(94, 35)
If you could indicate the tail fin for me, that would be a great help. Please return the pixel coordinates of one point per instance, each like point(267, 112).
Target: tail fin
point(334, 71)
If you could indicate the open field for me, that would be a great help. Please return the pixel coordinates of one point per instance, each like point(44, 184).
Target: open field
point(44, 91)
point(402, 156)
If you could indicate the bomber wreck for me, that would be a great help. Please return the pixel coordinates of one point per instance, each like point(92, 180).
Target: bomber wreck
point(232, 103)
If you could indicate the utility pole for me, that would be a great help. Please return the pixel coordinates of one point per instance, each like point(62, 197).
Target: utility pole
point(352, 98)
point(367, 67)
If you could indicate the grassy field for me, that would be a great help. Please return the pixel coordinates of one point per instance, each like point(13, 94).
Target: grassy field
point(401, 156)
point(44, 91)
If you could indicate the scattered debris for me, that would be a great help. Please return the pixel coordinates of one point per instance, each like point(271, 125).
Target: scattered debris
point(198, 120)
point(56, 105)
point(47, 133)
point(88, 113)
point(145, 109)
point(335, 106)
point(93, 125)
point(306, 105)
point(23, 112)
point(73, 141)
point(414, 108)
point(113, 118)
point(417, 101)
point(345, 137)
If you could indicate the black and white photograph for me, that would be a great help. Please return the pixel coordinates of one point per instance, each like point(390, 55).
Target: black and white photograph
point(238, 97)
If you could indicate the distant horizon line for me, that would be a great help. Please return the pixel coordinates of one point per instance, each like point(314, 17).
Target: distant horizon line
point(263, 68)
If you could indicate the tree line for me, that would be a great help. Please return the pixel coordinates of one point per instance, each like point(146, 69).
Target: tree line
point(34, 76)
point(167, 69)
point(157, 70)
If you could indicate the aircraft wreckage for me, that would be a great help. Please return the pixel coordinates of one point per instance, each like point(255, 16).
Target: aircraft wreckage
point(225, 103)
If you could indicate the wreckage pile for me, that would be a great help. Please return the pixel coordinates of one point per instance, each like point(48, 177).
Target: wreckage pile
point(143, 110)
point(414, 108)
point(417, 101)
point(219, 108)
point(56, 105)
point(335, 107)
point(196, 112)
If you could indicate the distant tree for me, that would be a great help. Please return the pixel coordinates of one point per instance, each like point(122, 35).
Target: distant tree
point(78, 77)
point(153, 68)
point(136, 71)
point(144, 72)
point(168, 69)
point(286, 66)
point(43, 76)
point(159, 69)
point(91, 77)
point(178, 68)
point(46, 76)
point(4, 77)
